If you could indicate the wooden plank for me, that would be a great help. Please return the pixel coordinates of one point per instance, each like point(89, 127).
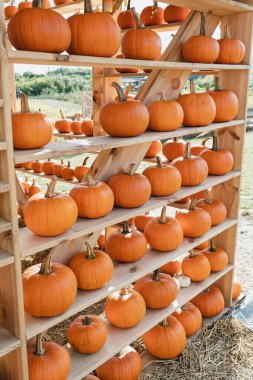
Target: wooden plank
point(4, 225)
point(74, 6)
point(3, 145)
point(8, 342)
point(5, 258)
point(145, 75)
point(161, 28)
point(1, 103)
point(4, 187)
point(44, 176)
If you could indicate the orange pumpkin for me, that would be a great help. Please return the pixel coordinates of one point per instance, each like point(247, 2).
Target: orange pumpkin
point(10, 10)
point(217, 257)
point(237, 289)
point(91, 377)
point(124, 70)
point(30, 130)
point(68, 172)
point(87, 127)
point(232, 50)
point(33, 189)
point(127, 93)
point(201, 49)
point(125, 19)
point(152, 15)
point(48, 167)
point(101, 242)
point(154, 149)
point(27, 165)
point(123, 117)
point(210, 302)
point(81, 171)
point(75, 126)
point(172, 13)
point(215, 208)
point(196, 266)
point(25, 184)
point(48, 289)
point(164, 179)
point(219, 161)
point(203, 245)
point(174, 148)
point(172, 268)
point(141, 221)
point(25, 4)
point(37, 166)
point(62, 125)
point(58, 168)
point(61, 2)
point(164, 233)
point(201, 194)
point(197, 149)
point(190, 317)
point(157, 58)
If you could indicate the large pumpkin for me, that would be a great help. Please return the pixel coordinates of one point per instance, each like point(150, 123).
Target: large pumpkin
point(93, 33)
point(51, 214)
point(152, 15)
point(48, 289)
point(174, 148)
point(196, 266)
point(158, 289)
point(154, 149)
point(173, 13)
point(201, 48)
point(62, 125)
point(87, 334)
point(232, 50)
point(47, 360)
point(164, 233)
point(125, 19)
point(141, 43)
point(93, 268)
point(193, 169)
point(210, 302)
point(190, 317)
point(94, 199)
point(40, 33)
point(30, 130)
point(81, 170)
point(219, 161)
point(125, 308)
point(141, 221)
point(215, 208)
point(126, 245)
point(123, 117)
point(166, 340)
point(217, 257)
point(130, 189)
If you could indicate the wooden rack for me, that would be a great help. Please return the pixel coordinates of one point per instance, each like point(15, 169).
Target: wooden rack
point(169, 75)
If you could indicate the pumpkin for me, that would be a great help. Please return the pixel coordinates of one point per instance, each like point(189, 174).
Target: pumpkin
point(37, 166)
point(93, 268)
point(50, 214)
point(195, 221)
point(154, 149)
point(125, 19)
point(158, 289)
point(226, 103)
point(237, 289)
point(127, 365)
point(58, 168)
point(172, 13)
point(68, 172)
point(48, 167)
point(174, 148)
point(61, 2)
point(33, 189)
point(203, 245)
point(94, 199)
point(196, 266)
point(130, 189)
point(141, 43)
point(183, 200)
point(46, 4)
point(166, 340)
point(157, 58)
point(197, 149)
point(210, 302)
point(202, 194)
point(232, 50)
point(30, 130)
point(126, 245)
point(123, 117)
point(93, 33)
point(199, 108)
point(152, 15)
point(164, 179)
point(47, 360)
point(125, 70)
point(125, 308)
point(48, 289)
point(87, 127)
point(27, 165)
point(215, 208)
point(164, 233)
point(25, 4)
point(141, 221)
point(87, 334)
point(201, 49)
point(172, 268)
point(127, 93)
point(91, 377)
point(62, 125)
point(25, 184)
point(10, 10)
point(75, 126)
point(190, 317)
point(81, 171)
point(165, 115)
point(18, 166)
point(217, 257)
point(42, 24)
point(193, 169)
point(219, 161)
point(101, 242)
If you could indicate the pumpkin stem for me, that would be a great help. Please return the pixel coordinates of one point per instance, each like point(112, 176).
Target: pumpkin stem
point(154, 7)
point(162, 219)
point(217, 83)
point(88, 6)
point(187, 152)
point(207, 88)
point(24, 103)
point(90, 181)
point(192, 87)
point(120, 92)
point(136, 18)
point(130, 170)
point(202, 24)
point(125, 229)
point(156, 275)
point(164, 323)
point(128, 5)
point(128, 89)
point(85, 160)
point(62, 161)
point(176, 138)
point(193, 204)
point(90, 252)
point(226, 32)
point(192, 254)
point(123, 292)
point(62, 114)
point(185, 307)
point(161, 94)
point(215, 144)
point(212, 247)
point(87, 321)
point(208, 199)
point(207, 290)
point(37, 3)
point(68, 164)
point(158, 161)
point(33, 182)
point(39, 350)
point(50, 188)
point(45, 266)
point(203, 142)
point(78, 117)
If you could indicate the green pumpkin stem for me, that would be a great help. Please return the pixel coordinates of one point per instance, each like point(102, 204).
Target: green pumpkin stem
point(136, 19)
point(45, 266)
point(39, 350)
point(131, 169)
point(120, 92)
point(90, 252)
point(88, 6)
point(24, 103)
point(212, 247)
point(156, 275)
point(162, 219)
point(38, 4)
point(125, 229)
point(51, 188)
point(158, 161)
point(192, 87)
point(202, 24)
point(164, 323)
point(187, 152)
point(128, 5)
point(87, 321)
point(217, 83)
point(215, 144)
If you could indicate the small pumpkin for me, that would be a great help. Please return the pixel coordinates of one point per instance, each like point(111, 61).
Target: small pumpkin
point(125, 19)
point(10, 10)
point(215, 208)
point(141, 221)
point(125, 70)
point(101, 242)
point(76, 125)
point(210, 302)
point(190, 317)
point(154, 149)
point(158, 289)
point(232, 50)
point(81, 170)
point(33, 189)
point(87, 334)
point(164, 179)
point(25, 4)
point(195, 222)
point(27, 165)
point(237, 289)
point(166, 340)
point(217, 257)
point(193, 169)
point(164, 233)
point(58, 168)
point(48, 167)
point(174, 148)
point(152, 15)
point(196, 266)
point(48, 289)
point(203, 245)
point(37, 166)
point(130, 189)
point(62, 125)
point(219, 161)
point(87, 127)
point(68, 172)
point(197, 149)
point(125, 308)
point(25, 184)
point(173, 13)
point(172, 268)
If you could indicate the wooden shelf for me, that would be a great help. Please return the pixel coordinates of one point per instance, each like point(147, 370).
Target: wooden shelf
point(124, 274)
point(49, 177)
point(8, 342)
point(74, 6)
point(82, 365)
point(5, 258)
point(82, 144)
point(3, 145)
point(161, 28)
point(145, 75)
point(4, 187)
point(4, 225)
point(1, 103)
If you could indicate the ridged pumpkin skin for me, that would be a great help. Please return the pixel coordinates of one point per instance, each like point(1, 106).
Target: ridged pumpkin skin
point(154, 149)
point(174, 148)
point(76, 125)
point(68, 172)
point(63, 125)
point(58, 168)
point(196, 266)
point(87, 334)
point(126, 245)
point(232, 51)
point(199, 109)
point(166, 340)
point(33, 189)
point(217, 257)
point(125, 366)
point(49, 39)
point(200, 49)
point(215, 208)
point(158, 289)
point(149, 18)
point(37, 166)
point(226, 103)
point(210, 302)
point(172, 13)
point(237, 289)
point(190, 317)
point(125, 308)
point(48, 167)
point(141, 44)
point(165, 115)
point(125, 19)
point(123, 70)
point(219, 161)
point(141, 221)
point(172, 268)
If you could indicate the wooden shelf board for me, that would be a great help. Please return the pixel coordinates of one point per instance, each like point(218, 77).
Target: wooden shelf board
point(31, 243)
point(74, 6)
point(5, 258)
point(144, 75)
point(1, 103)
point(3, 145)
point(82, 144)
point(8, 342)
point(124, 274)
point(82, 365)
point(4, 225)
point(42, 175)
point(161, 28)
point(4, 187)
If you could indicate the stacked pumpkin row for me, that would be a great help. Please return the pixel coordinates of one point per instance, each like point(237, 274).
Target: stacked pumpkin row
point(77, 126)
